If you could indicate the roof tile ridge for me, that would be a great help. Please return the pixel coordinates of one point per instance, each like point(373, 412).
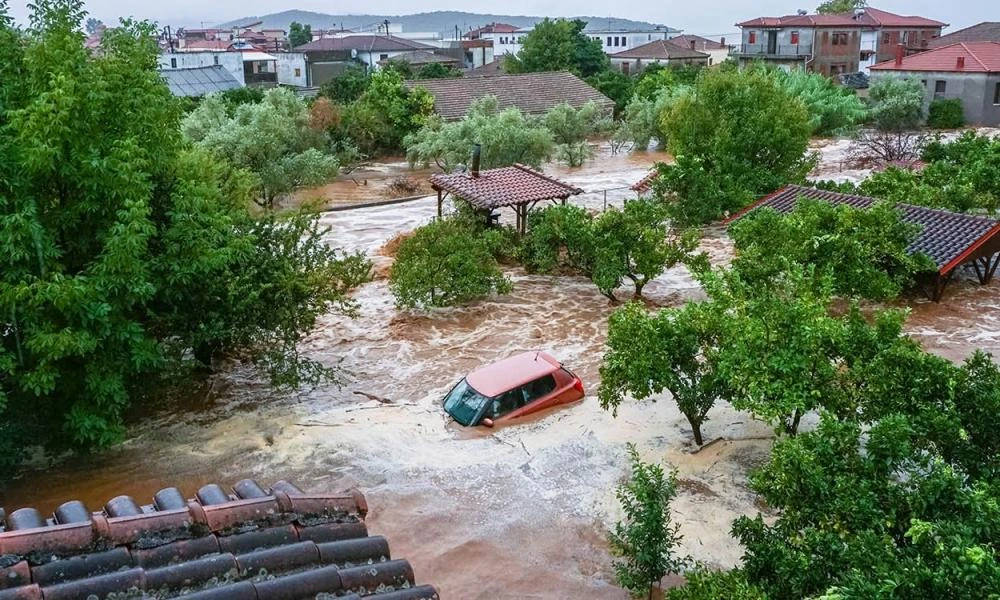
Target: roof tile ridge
point(541, 175)
point(974, 56)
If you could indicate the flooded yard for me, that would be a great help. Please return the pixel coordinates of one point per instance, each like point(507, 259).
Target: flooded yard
point(515, 512)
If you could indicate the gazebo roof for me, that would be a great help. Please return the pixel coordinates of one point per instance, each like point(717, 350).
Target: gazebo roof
point(507, 186)
point(646, 183)
point(950, 239)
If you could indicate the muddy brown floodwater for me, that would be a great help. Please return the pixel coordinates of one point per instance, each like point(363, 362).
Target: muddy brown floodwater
point(515, 512)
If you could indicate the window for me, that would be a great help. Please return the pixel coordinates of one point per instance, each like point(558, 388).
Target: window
point(840, 38)
point(649, 37)
point(298, 72)
point(795, 37)
point(940, 87)
point(507, 402)
point(752, 38)
point(886, 38)
point(173, 63)
point(216, 59)
point(383, 57)
point(609, 42)
point(996, 95)
point(538, 388)
point(625, 68)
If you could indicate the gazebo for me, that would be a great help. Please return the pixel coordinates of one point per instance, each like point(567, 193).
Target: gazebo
point(950, 239)
point(519, 187)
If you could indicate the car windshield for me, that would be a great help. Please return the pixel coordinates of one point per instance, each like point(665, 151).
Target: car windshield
point(464, 402)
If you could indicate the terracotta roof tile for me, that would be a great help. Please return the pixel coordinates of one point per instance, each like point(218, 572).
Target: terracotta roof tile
point(871, 17)
point(659, 49)
point(888, 19)
point(983, 32)
point(963, 57)
point(946, 237)
point(253, 543)
point(700, 43)
point(363, 43)
point(646, 183)
point(531, 93)
point(506, 186)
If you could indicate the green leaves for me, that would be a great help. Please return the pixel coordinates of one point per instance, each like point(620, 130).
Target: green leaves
point(896, 103)
point(647, 538)
point(559, 45)
point(445, 263)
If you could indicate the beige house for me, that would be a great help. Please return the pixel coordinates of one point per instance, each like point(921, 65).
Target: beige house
point(636, 59)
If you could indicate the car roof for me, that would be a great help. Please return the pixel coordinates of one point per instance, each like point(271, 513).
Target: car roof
point(511, 372)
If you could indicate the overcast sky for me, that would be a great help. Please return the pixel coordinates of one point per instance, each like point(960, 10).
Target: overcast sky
point(706, 18)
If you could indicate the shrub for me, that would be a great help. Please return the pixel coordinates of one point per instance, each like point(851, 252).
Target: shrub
point(946, 114)
point(895, 103)
point(445, 263)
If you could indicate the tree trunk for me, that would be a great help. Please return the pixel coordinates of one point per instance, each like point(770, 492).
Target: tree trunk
point(696, 430)
point(639, 284)
point(793, 428)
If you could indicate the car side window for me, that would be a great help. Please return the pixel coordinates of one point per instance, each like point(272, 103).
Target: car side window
point(507, 402)
point(538, 388)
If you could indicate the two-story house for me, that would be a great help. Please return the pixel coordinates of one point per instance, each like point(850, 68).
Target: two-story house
point(833, 44)
point(616, 40)
point(506, 38)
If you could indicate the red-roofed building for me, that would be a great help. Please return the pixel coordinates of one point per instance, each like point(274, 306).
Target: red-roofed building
point(834, 44)
point(969, 71)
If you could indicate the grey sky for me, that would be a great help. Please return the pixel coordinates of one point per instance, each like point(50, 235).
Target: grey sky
point(707, 18)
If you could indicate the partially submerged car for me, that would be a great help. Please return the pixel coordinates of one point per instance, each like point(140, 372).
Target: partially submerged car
point(512, 388)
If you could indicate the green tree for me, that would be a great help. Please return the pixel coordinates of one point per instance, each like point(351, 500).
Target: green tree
point(346, 87)
point(702, 583)
point(647, 539)
point(126, 254)
point(445, 263)
point(385, 114)
point(736, 136)
point(506, 136)
point(560, 238)
point(896, 104)
point(642, 123)
point(946, 114)
point(401, 67)
point(615, 85)
point(559, 45)
point(273, 140)
point(572, 127)
point(437, 71)
point(863, 251)
point(299, 34)
point(839, 7)
point(673, 350)
point(833, 109)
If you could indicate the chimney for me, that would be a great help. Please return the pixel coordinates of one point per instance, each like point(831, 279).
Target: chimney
point(900, 53)
point(477, 152)
point(960, 64)
point(722, 41)
point(692, 45)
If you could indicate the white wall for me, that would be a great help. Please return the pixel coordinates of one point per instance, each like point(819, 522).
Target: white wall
point(292, 68)
point(869, 41)
point(624, 40)
point(232, 61)
point(371, 59)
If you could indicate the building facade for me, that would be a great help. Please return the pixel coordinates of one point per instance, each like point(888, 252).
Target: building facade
point(636, 60)
point(967, 71)
point(833, 44)
point(614, 41)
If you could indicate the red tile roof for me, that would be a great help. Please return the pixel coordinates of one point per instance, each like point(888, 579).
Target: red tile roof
point(700, 43)
point(506, 186)
point(871, 17)
point(493, 28)
point(948, 238)
point(646, 183)
point(966, 57)
point(531, 93)
point(660, 50)
point(983, 32)
point(363, 43)
point(253, 544)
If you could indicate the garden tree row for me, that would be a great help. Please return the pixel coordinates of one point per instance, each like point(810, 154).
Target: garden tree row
point(128, 254)
point(455, 260)
point(508, 136)
point(765, 340)
point(961, 176)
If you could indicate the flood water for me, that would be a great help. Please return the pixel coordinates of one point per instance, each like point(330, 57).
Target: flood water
point(515, 512)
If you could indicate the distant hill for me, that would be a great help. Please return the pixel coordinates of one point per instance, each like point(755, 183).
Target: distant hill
point(443, 22)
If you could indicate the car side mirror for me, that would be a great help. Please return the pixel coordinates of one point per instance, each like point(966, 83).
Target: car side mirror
point(487, 422)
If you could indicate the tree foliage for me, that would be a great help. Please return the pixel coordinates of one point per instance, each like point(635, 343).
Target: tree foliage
point(559, 45)
point(437, 71)
point(445, 263)
point(299, 34)
point(346, 87)
point(673, 350)
point(572, 127)
point(946, 114)
point(736, 136)
point(615, 85)
point(127, 254)
point(385, 114)
point(896, 103)
point(273, 139)
point(507, 137)
point(832, 109)
point(862, 251)
point(647, 540)
point(840, 7)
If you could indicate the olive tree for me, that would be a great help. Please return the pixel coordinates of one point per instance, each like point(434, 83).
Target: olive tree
point(673, 350)
point(445, 263)
point(571, 127)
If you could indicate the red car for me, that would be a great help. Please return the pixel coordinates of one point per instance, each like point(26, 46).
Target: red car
point(512, 388)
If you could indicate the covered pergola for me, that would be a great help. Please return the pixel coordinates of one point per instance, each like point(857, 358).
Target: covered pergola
point(950, 239)
point(519, 187)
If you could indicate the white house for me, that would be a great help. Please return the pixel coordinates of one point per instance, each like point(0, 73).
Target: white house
point(507, 39)
point(292, 69)
point(718, 52)
point(616, 40)
point(249, 67)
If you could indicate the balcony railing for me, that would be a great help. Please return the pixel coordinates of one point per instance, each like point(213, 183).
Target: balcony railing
point(776, 51)
point(260, 78)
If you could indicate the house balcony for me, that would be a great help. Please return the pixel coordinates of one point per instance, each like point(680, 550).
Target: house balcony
point(773, 51)
point(261, 79)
